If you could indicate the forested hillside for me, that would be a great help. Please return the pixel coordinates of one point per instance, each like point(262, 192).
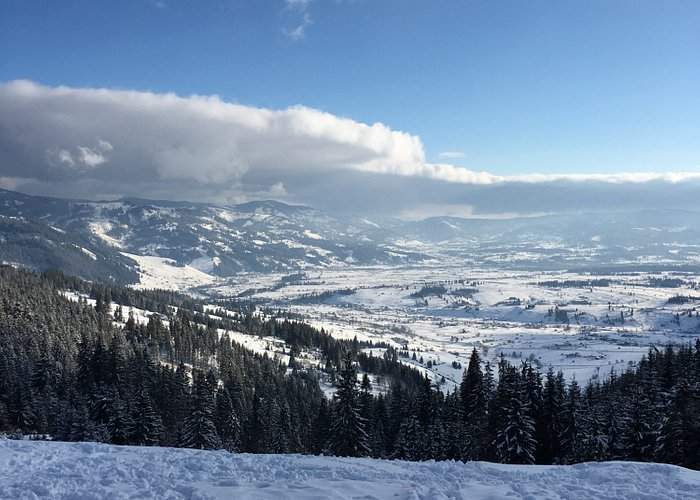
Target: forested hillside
point(37, 245)
point(71, 371)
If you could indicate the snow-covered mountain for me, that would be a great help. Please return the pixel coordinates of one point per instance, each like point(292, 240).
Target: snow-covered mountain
point(117, 239)
point(33, 469)
point(217, 240)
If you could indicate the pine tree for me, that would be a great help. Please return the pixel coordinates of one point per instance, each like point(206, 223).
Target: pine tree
point(552, 410)
point(679, 435)
point(472, 389)
point(278, 427)
point(23, 409)
point(118, 314)
point(146, 424)
point(120, 423)
point(436, 440)
point(638, 437)
point(454, 435)
point(81, 427)
point(397, 412)
point(515, 439)
point(255, 429)
point(614, 426)
point(321, 427)
point(594, 432)
point(348, 436)
point(570, 437)
point(474, 408)
point(199, 430)
point(228, 423)
point(117, 356)
point(366, 398)
point(408, 442)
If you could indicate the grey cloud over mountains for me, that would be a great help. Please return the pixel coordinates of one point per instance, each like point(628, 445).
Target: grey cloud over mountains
point(90, 143)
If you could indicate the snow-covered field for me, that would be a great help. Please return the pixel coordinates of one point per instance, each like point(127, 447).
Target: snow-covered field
point(500, 312)
point(72, 471)
point(159, 272)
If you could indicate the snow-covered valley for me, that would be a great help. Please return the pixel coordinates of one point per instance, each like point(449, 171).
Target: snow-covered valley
point(582, 294)
point(69, 471)
point(582, 324)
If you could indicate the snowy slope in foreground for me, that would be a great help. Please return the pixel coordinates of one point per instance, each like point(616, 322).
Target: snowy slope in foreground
point(94, 471)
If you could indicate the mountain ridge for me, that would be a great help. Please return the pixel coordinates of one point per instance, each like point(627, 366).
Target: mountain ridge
point(222, 240)
point(42, 232)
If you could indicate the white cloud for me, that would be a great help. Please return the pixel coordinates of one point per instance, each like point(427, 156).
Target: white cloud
point(453, 174)
point(91, 157)
point(82, 156)
point(617, 178)
point(204, 139)
point(201, 138)
point(300, 8)
point(83, 141)
point(104, 146)
point(299, 31)
point(278, 190)
point(63, 156)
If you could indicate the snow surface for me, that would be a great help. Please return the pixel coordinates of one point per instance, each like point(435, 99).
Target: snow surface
point(63, 471)
point(101, 229)
point(507, 314)
point(160, 272)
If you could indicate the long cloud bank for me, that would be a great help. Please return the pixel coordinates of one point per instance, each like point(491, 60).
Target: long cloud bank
point(92, 142)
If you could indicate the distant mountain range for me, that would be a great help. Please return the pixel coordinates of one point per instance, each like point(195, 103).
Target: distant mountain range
point(94, 239)
point(91, 238)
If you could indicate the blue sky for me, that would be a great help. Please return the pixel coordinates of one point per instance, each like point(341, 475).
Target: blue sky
point(507, 87)
point(516, 86)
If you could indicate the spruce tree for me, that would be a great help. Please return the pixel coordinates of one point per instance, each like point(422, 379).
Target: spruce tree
point(146, 424)
point(366, 398)
point(552, 410)
point(678, 440)
point(570, 437)
point(199, 430)
point(228, 423)
point(638, 438)
point(409, 440)
point(321, 426)
point(515, 438)
point(348, 436)
point(120, 423)
point(474, 408)
point(594, 432)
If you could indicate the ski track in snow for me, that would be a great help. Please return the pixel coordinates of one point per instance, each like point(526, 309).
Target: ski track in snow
point(85, 471)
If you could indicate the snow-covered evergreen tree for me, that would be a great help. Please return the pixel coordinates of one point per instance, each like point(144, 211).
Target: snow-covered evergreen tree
point(199, 430)
point(571, 422)
point(146, 424)
point(515, 438)
point(678, 439)
point(348, 435)
point(228, 424)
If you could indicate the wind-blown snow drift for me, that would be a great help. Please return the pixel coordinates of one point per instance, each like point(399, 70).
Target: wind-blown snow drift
point(54, 470)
